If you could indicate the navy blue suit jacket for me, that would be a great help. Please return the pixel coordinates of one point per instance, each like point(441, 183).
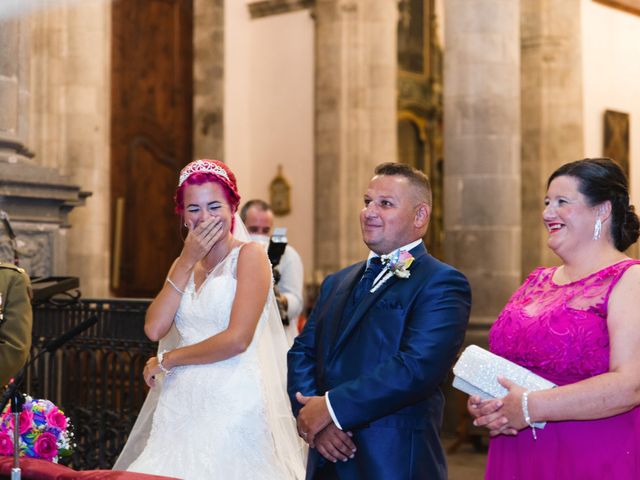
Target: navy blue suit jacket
point(383, 366)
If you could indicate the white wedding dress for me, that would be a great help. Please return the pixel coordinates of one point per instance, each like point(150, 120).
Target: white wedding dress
point(219, 420)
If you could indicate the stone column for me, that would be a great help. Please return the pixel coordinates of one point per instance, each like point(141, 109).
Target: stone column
point(552, 125)
point(208, 79)
point(14, 89)
point(355, 119)
point(482, 148)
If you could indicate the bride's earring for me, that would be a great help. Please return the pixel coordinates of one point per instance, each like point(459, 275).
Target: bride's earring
point(597, 229)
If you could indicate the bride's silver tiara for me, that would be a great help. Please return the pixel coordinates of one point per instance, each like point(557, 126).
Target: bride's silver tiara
point(204, 166)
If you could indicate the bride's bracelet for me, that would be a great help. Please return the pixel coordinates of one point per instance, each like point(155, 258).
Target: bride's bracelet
point(525, 413)
point(160, 357)
point(175, 287)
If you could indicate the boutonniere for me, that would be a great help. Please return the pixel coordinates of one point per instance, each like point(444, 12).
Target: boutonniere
point(396, 263)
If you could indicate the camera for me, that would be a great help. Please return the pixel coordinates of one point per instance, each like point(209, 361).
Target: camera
point(277, 245)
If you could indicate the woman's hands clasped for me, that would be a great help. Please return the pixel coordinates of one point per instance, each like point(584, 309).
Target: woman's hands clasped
point(151, 369)
point(201, 238)
point(502, 416)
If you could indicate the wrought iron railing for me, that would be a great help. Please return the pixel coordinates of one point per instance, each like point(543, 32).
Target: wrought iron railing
point(96, 378)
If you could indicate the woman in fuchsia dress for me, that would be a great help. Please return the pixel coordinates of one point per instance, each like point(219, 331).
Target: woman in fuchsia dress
point(577, 325)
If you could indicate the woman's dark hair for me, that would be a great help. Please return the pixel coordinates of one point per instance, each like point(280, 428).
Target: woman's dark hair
point(602, 179)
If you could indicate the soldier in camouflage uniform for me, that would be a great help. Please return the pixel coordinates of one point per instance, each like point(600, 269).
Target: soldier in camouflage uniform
point(15, 320)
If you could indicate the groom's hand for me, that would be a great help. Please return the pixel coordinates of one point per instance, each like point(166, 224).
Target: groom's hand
point(312, 418)
point(334, 444)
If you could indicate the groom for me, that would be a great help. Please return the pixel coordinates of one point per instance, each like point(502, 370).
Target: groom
point(364, 375)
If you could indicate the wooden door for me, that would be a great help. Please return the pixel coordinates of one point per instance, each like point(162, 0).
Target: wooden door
point(151, 132)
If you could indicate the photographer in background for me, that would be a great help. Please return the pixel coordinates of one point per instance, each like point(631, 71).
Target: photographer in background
point(16, 320)
point(258, 218)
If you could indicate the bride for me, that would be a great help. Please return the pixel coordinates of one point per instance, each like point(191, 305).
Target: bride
point(217, 407)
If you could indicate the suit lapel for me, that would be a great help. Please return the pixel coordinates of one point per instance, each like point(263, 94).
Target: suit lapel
point(343, 293)
point(363, 307)
point(367, 302)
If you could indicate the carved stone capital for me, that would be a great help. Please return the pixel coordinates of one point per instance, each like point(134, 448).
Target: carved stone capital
point(33, 193)
point(37, 201)
point(9, 147)
point(36, 248)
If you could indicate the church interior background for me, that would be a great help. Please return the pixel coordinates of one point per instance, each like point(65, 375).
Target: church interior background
point(102, 102)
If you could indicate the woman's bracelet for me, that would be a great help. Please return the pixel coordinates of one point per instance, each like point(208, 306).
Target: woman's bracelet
point(525, 413)
point(160, 357)
point(175, 287)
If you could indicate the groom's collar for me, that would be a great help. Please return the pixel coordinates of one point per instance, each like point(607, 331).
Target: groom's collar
point(405, 248)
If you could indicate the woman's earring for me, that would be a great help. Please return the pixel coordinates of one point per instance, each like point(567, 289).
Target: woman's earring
point(597, 229)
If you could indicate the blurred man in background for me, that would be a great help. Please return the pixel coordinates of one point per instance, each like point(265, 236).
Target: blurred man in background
point(258, 218)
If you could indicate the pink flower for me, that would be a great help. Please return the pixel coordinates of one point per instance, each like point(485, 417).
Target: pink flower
point(6, 444)
point(56, 419)
point(45, 446)
point(26, 421)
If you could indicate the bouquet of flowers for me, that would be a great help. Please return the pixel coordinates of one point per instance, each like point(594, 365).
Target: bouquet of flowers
point(44, 431)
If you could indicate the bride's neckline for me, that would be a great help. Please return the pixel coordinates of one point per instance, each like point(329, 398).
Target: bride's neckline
point(208, 273)
point(233, 246)
point(220, 262)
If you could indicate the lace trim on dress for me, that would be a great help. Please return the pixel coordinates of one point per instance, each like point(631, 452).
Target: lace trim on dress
point(559, 331)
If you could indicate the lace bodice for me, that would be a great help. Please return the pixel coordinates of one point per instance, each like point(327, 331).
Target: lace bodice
point(210, 412)
point(558, 331)
point(206, 311)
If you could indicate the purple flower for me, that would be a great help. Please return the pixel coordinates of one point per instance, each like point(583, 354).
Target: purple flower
point(56, 419)
point(45, 446)
point(6, 444)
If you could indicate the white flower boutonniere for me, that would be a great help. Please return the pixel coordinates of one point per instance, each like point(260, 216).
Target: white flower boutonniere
point(396, 263)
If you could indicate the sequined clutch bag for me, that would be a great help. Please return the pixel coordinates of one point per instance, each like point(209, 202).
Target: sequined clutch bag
point(477, 371)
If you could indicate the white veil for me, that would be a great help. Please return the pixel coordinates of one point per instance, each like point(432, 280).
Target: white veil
point(272, 346)
point(142, 428)
point(271, 342)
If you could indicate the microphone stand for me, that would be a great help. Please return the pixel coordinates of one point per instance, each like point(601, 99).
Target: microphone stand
point(17, 400)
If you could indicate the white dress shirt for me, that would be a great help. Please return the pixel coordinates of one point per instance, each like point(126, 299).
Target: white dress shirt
point(291, 285)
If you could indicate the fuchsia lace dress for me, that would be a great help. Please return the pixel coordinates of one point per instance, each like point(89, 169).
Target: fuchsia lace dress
point(560, 332)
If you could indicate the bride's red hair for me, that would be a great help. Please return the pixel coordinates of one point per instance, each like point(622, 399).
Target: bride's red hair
point(191, 174)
